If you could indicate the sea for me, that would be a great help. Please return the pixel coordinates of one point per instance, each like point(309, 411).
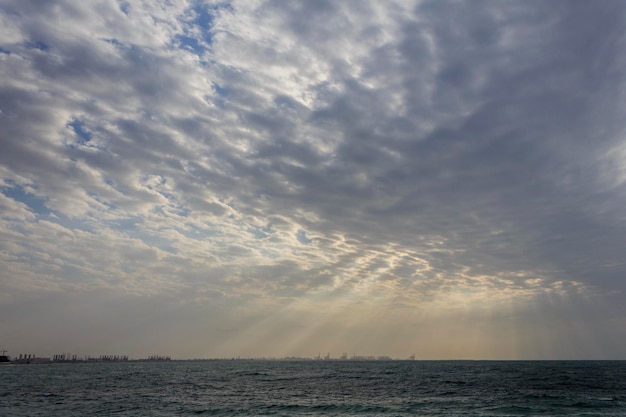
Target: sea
point(315, 388)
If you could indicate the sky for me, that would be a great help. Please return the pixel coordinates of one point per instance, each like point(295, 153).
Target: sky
point(216, 179)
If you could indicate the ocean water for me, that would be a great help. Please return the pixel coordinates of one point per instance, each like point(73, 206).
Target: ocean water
point(315, 388)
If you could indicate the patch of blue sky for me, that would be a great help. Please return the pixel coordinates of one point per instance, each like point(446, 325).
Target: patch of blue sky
point(84, 225)
point(218, 99)
point(124, 7)
point(199, 34)
point(173, 205)
point(78, 127)
point(222, 91)
point(39, 45)
point(38, 206)
point(125, 225)
point(260, 232)
point(191, 44)
point(204, 15)
point(150, 239)
point(110, 182)
point(183, 211)
point(171, 197)
point(113, 41)
point(108, 205)
point(18, 193)
point(302, 238)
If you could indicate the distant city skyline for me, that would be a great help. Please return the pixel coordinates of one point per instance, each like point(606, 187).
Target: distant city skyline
point(217, 179)
point(73, 357)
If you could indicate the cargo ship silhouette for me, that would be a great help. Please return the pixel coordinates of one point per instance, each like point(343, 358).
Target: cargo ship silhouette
point(3, 356)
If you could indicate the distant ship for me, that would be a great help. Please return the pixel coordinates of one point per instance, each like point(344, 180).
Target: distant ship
point(3, 356)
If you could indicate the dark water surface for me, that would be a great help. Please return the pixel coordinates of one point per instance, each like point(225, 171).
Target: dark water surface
point(315, 388)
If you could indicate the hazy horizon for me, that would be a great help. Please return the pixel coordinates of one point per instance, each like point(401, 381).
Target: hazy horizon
point(206, 178)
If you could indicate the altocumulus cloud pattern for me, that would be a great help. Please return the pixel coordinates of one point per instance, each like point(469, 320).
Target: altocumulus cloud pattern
point(217, 178)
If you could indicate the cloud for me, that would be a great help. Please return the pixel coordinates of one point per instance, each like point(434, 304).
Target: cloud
point(419, 154)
